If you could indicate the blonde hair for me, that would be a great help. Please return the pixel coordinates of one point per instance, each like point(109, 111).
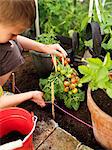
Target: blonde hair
point(17, 11)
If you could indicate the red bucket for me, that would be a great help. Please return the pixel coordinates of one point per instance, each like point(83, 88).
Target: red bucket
point(20, 120)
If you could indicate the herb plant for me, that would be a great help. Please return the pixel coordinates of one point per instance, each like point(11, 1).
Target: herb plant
point(98, 74)
point(66, 86)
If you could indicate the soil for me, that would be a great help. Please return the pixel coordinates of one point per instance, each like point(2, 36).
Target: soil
point(103, 101)
point(12, 136)
point(27, 80)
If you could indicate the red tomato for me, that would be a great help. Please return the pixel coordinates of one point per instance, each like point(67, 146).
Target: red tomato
point(74, 75)
point(65, 62)
point(68, 60)
point(60, 59)
point(74, 80)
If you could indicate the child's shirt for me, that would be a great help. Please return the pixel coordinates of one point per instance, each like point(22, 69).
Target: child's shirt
point(10, 57)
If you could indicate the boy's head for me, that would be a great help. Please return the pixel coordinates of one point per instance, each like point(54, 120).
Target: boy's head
point(17, 13)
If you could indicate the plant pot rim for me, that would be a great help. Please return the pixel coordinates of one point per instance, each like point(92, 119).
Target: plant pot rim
point(90, 99)
point(40, 53)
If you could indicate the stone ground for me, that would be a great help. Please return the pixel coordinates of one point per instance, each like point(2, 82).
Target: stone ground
point(51, 137)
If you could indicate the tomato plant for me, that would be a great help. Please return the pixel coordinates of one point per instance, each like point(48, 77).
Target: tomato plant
point(64, 87)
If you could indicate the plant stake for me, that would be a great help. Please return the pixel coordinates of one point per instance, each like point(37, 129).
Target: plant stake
point(52, 98)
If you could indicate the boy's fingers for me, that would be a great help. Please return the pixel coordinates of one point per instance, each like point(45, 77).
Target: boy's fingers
point(60, 49)
point(57, 53)
point(38, 98)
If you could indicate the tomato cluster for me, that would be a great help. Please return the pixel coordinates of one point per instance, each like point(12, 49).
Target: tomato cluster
point(66, 84)
point(71, 79)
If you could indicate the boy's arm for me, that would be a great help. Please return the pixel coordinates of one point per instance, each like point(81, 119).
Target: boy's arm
point(29, 44)
point(13, 100)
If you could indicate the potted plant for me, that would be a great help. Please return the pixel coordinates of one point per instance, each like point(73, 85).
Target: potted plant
point(98, 75)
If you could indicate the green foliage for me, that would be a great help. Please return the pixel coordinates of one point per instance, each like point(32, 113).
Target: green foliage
point(108, 45)
point(47, 38)
point(71, 100)
point(105, 24)
point(89, 43)
point(61, 16)
point(96, 73)
point(84, 22)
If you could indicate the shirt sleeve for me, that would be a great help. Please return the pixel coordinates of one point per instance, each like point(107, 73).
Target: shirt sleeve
point(10, 57)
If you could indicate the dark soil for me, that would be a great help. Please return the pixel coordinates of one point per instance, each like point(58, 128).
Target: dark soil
point(103, 101)
point(12, 136)
point(27, 79)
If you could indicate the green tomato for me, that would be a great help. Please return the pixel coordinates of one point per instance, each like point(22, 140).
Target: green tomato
point(75, 90)
point(80, 85)
point(68, 75)
point(70, 92)
point(63, 72)
point(59, 68)
point(72, 86)
point(70, 71)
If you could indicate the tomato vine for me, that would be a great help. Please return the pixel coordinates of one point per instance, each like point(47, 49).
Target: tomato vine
point(66, 85)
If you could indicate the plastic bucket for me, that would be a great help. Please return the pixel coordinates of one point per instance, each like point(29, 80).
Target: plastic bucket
point(20, 120)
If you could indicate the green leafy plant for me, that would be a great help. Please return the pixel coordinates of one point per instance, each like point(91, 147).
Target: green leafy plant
point(47, 38)
point(104, 18)
point(66, 86)
point(98, 74)
point(106, 26)
point(62, 17)
point(102, 14)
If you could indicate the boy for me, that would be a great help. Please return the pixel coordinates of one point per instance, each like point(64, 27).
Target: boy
point(15, 17)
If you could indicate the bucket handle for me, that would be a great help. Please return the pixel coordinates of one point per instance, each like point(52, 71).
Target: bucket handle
point(18, 143)
point(35, 120)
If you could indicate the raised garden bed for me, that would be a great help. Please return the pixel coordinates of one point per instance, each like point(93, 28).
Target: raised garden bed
point(82, 132)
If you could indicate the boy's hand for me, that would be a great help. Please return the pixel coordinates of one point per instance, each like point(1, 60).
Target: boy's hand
point(29, 44)
point(55, 49)
point(37, 98)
